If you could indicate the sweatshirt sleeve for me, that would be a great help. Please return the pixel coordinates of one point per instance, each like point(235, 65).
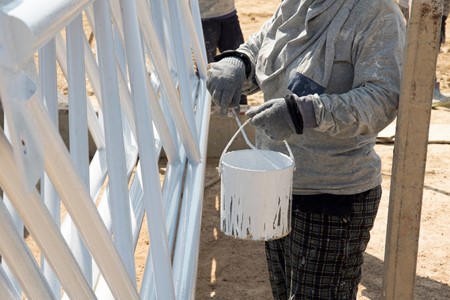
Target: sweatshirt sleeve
point(251, 50)
point(371, 104)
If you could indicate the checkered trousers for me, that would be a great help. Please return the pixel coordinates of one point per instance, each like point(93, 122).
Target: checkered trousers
point(322, 256)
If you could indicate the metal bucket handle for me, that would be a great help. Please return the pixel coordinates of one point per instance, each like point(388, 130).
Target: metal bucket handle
point(258, 151)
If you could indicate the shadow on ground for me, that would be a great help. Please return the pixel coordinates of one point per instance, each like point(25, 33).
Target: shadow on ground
point(426, 288)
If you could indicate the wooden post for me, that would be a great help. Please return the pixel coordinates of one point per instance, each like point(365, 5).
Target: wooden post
point(410, 149)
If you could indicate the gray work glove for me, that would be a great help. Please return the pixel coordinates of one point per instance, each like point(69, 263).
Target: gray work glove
point(273, 118)
point(224, 82)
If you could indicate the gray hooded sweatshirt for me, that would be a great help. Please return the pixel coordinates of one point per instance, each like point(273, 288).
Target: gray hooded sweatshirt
point(350, 52)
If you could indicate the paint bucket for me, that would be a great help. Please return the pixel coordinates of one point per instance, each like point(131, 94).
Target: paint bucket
point(256, 192)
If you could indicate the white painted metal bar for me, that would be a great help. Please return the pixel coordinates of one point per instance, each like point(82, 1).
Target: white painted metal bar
point(125, 99)
point(186, 257)
point(192, 16)
point(109, 217)
point(78, 131)
point(21, 261)
point(148, 170)
point(124, 92)
point(47, 73)
point(168, 140)
point(137, 214)
point(117, 19)
point(137, 209)
point(97, 172)
point(17, 222)
point(188, 238)
point(187, 134)
point(76, 200)
point(172, 189)
point(7, 288)
point(173, 182)
point(95, 127)
point(92, 71)
point(40, 224)
point(79, 205)
point(188, 235)
point(98, 166)
point(157, 16)
point(184, 62)
point(164, 18)
point(185, 260)
point(29, 28)
point(115, 151)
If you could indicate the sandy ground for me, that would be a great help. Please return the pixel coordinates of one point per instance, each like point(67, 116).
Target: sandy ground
point(236, 269)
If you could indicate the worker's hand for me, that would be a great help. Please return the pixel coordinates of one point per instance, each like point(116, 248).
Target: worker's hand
point(225, 80)
point(273, 118)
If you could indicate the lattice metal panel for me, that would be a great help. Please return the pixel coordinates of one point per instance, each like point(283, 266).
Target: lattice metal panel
point(132, 75)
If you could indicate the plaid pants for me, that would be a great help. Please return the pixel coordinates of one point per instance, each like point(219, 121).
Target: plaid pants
point(322, 256)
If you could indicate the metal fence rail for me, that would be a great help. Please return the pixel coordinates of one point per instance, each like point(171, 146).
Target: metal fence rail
point(135, 85)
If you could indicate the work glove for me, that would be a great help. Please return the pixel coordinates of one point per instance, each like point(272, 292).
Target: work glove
point(224, 82)
point(273, 118)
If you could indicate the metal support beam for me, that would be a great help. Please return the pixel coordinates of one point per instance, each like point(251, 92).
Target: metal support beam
point(28, 28)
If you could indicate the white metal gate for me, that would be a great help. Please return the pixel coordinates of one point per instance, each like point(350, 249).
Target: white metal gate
point(136, 85)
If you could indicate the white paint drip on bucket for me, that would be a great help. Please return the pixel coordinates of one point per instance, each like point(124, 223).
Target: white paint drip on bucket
point(256, 193)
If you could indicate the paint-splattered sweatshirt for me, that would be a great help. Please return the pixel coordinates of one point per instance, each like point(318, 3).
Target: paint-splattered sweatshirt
point(348, 54)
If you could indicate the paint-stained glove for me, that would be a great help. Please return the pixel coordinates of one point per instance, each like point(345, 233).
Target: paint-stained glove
point(224, 82)
point(273, 118)
point(280, 118)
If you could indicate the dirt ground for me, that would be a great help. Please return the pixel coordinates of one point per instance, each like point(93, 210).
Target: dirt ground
point(236, 269)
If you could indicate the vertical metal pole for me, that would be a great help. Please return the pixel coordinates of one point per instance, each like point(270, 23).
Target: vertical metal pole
point(148, 166)
point(47, 66)
point(118, 191)
point(95, 126)
point(410, 149)
point(160, 61)
point(188, 237)
point(183, 55)
point(78, 131)
point(193, 22)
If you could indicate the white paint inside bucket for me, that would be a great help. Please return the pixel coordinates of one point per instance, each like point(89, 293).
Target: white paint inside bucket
point(256, 193)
